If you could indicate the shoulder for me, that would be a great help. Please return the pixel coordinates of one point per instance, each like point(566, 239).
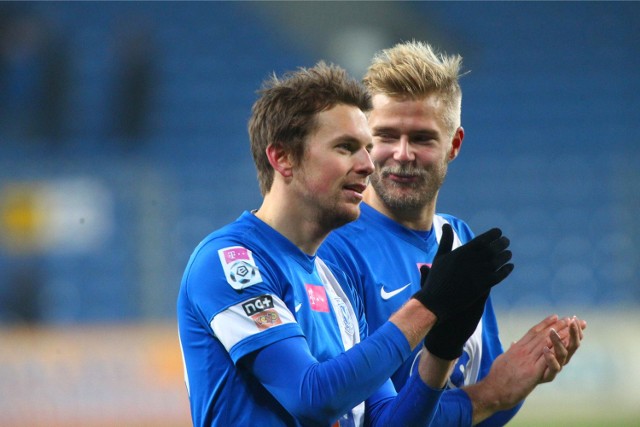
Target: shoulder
point(226, 253)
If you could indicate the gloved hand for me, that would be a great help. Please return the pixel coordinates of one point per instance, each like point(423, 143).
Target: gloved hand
point(459, 278)
point(446, 339)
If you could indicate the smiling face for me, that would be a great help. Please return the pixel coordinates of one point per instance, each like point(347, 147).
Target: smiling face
point(411, 151)
point(335, 167)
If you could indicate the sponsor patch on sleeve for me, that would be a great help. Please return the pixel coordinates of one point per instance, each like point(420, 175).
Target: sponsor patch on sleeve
point(239, 267)
point(250, 317)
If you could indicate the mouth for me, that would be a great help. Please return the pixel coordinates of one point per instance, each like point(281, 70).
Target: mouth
point(356, 189)
point(402, 178)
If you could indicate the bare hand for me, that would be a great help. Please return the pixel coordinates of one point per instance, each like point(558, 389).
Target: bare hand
point(534, 359)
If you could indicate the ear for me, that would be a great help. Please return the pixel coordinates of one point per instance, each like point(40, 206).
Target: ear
point(456, 143)
point(280, 160)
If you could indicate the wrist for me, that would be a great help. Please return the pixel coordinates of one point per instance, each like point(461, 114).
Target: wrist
point(485, 401)
point(414, 320)
point(434, 370)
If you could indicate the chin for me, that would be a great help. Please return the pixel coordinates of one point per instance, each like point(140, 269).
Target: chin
point(338, 219)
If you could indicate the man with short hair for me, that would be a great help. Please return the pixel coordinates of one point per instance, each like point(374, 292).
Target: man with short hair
point(415, 124)
point(270, 334)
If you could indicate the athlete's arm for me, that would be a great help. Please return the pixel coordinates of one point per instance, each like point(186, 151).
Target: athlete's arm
point(320, 392)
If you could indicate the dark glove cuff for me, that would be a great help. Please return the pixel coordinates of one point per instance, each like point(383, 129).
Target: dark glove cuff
point(429, 303)
point(442, 348)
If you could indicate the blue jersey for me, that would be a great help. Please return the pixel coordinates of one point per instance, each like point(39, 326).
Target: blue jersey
point(246, 287)
point(383, 260)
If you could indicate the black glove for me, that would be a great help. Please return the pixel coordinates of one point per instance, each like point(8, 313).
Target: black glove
point(446, 339)
point(459, 278)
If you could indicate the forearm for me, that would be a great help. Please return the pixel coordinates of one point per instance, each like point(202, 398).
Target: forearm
point(414, 320)
point(319, 392)
point(433, 370)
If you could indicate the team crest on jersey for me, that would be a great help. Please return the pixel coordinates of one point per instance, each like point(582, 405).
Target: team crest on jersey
point(239, 267)
point(344, 315)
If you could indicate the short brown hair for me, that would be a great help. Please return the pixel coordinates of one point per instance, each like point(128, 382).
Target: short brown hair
point(285, 113)
point(415, 70)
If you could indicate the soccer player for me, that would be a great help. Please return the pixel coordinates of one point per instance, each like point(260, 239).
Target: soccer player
point(415, 123)
point(273, 336)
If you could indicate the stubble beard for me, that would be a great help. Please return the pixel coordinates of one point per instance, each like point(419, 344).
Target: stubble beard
point(335, 216)
point(413, 196)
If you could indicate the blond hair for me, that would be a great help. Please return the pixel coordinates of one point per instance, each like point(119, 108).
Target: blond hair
point(415, 70)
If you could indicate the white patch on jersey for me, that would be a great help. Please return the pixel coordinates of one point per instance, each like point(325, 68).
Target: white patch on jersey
point(184, 366)
point(438, 222)
point(473, 347)
point(249, 317)
point(346, 316)
point(349, 329)
point(239, 267)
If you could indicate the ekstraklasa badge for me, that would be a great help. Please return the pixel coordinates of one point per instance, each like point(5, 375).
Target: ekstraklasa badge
point(239, 267)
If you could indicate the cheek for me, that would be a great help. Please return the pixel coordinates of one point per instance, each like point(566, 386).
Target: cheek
point(321, 179)
point(380, 153)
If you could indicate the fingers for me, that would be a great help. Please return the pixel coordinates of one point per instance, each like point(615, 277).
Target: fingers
point(561, 352)
point(553, 366)
point(535, 333)
point(446, 240)
point(501, 274)
point(499, 244)
point(575, 338)
point(501, 258)
point(424, 275)
point(487, 237)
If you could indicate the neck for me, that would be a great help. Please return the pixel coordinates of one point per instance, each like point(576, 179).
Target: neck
point(292, 222)
point(416, 219)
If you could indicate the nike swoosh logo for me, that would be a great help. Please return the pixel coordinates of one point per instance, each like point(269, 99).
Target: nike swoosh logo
point(297, 307)
point(386, 295)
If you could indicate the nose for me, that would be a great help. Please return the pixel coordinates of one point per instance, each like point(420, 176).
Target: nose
point(403, 151)
point(364, 164)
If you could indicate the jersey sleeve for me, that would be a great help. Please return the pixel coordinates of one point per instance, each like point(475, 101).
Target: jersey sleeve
point(237, 297)
point(415, 405)
point(318, 392)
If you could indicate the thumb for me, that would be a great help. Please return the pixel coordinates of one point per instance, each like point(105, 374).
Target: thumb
point(446, 240)
point(424, 274)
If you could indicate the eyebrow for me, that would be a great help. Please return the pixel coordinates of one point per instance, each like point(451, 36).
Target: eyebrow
point(350, 140)
point(378, 129)
point(427, 132)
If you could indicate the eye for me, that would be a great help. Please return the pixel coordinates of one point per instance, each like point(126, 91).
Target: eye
point(384, 137)
point(345, 146)
point(424, 139)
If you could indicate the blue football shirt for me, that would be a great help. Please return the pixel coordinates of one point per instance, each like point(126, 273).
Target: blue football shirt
point(245, 287)
point(383, 259)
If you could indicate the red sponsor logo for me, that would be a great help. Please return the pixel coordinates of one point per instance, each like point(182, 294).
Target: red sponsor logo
point(317, 298)
point(266, 319)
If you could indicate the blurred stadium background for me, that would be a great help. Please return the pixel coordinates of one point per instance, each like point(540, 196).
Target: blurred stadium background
point(123, 142)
